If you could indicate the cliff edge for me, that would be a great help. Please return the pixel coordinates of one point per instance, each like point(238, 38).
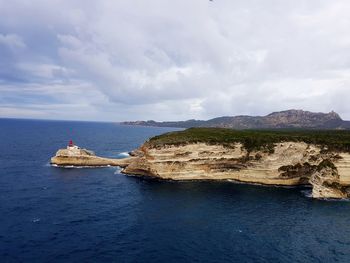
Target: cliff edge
point(318, 159)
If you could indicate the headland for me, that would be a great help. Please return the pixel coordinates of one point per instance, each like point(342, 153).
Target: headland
point(320, 159)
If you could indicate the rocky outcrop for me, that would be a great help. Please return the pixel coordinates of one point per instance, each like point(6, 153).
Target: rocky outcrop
point(326, 183)
point(75, 156)
point(288, 163)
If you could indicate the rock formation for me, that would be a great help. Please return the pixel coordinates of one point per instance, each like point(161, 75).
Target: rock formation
point(289, 164)
point(252, 157)
point(75, 156)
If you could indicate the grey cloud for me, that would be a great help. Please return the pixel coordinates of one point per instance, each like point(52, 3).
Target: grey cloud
point(12, 41)
point(163, 59)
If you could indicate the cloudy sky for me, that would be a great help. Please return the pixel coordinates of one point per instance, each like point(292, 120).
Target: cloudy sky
point(120, 60)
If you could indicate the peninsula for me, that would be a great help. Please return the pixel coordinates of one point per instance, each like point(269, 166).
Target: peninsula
point(320, 159)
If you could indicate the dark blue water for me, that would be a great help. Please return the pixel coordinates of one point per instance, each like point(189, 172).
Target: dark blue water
point(52, 214)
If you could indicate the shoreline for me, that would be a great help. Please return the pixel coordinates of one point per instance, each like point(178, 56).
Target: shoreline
point(319, 160)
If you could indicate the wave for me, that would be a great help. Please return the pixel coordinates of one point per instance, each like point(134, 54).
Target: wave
point(80, 167)
point(48, 164)
point(123, 154)
point(36, 220)
point(118, 170)
point(308, 193)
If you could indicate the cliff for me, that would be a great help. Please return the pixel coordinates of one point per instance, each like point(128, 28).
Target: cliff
point(296, 119)
point(320, 161)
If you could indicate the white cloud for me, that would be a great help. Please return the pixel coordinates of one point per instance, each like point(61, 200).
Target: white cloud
point(163, 59)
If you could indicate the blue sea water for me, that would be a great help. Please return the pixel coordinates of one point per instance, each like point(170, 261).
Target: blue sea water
point(50, 214)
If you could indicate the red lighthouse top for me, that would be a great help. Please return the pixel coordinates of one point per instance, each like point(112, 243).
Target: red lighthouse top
point(71, 144)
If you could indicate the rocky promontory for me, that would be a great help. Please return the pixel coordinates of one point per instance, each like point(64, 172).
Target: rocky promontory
point(318, 159)
point(75, 156)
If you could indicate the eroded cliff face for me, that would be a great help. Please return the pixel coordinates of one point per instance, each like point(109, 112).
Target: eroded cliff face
point(289, 163)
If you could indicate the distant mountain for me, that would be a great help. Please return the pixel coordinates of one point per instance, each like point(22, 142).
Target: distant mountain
point(290, 119)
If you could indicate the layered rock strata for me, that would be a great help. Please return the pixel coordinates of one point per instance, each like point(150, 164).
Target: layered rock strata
point(288, 164)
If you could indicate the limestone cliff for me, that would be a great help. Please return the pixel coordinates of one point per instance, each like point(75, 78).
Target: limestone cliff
point(288, 163)
point(320, 159)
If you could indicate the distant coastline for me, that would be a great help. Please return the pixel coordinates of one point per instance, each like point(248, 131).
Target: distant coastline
point(289, 119)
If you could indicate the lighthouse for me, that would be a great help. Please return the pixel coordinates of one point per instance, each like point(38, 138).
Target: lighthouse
point(71, 146)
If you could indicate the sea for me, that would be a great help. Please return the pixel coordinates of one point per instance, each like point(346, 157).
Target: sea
point(51, 214)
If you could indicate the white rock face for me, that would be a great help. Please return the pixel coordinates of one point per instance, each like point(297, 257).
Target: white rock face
point(326, 184)
point(291, 163)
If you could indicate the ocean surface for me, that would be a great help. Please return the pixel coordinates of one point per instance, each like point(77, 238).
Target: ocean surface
point(50, 214)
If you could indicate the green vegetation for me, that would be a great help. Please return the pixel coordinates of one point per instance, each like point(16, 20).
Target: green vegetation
point(326, 164)
point(338, 140)
point(297, 170)
point(306, 169)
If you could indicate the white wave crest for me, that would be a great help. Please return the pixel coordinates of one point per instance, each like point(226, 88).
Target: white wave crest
point(123, 154)
point(118, 170)
point(79, 167)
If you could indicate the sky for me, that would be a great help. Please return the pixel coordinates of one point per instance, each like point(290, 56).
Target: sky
point(116, 60)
